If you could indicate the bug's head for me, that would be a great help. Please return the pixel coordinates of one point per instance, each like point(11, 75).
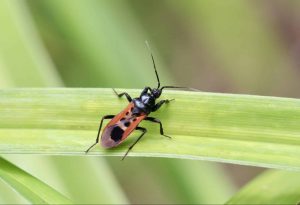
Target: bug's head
point(156, 92)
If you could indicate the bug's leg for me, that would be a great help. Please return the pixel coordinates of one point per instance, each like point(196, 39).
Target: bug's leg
point(152, 119)
point(160, 103)
point(146, 90)
point(97, 139)
point(144, 130)
point(121, 94)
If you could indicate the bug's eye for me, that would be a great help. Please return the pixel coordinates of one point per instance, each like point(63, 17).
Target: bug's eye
point(156, 92)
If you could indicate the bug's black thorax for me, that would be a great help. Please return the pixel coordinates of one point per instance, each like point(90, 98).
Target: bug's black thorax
point(143, 104)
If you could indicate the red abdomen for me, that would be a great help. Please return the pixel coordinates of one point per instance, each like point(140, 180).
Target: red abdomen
point(120, 127)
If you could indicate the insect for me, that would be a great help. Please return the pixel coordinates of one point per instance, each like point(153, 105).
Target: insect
point(138, 109)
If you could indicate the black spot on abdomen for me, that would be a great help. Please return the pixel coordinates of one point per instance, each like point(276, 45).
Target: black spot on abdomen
point(116, 134)
point(127, 124)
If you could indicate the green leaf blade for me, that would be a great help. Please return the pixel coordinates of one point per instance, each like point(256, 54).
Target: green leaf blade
point(242, 129)
point(34, 190)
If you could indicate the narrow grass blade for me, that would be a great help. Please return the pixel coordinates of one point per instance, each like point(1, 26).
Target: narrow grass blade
point(30, 187)
point(271, 187)
point(242, 129)
point(9, 195)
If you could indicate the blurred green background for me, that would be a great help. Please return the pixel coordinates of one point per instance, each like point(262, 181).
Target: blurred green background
point(249, 47)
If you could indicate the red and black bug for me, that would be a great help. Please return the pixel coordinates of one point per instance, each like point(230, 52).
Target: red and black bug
point(138, 109)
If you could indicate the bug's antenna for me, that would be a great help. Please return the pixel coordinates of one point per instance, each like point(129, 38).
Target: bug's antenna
point(170, 86)
point(158, 82)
